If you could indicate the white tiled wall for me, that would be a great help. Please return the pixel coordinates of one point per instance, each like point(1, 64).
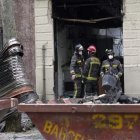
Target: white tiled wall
point(131, 35)
point(44, 36)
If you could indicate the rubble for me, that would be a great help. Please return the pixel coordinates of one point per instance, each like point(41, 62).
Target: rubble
point(109, 99)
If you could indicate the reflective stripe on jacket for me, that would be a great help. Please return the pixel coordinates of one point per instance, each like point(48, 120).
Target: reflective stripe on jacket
point(76, 66)
point(92, 68)
point(112, 67)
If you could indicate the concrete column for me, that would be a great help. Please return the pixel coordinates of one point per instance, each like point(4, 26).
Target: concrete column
point(131, 36)
point(44, 36)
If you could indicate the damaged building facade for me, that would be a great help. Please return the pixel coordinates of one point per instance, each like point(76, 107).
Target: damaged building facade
point(49, 30)
point(59, 25)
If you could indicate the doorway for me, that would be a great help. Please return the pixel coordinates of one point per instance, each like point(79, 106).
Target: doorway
point(87, 22)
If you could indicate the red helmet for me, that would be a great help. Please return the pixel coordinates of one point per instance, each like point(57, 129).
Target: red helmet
point(92, 49)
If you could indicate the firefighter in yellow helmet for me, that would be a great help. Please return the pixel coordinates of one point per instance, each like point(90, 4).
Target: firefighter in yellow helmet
point(91, 72)
point(76, 69)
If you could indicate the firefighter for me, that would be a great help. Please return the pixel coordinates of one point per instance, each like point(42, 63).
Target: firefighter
point(76, 69)
point(112, 66)
point(91, 72)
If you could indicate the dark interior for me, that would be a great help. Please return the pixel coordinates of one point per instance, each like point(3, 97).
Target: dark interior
point(103, 13)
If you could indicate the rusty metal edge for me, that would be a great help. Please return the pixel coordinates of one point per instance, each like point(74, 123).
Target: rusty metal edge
point(65, 108)
point(8, 103)
point(18, 91)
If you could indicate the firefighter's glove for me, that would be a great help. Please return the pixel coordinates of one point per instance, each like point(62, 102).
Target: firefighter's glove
point(73, 77)
point(102, 74)
point(117, 77)
point(119, 74)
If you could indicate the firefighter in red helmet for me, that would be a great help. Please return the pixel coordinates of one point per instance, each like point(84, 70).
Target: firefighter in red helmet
point(91, 72)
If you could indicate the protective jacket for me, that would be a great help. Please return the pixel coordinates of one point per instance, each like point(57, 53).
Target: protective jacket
point(91, 68)
point(112, 67)
point(76, 66)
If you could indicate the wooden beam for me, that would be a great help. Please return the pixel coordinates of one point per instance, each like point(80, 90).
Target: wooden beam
point(93, 21)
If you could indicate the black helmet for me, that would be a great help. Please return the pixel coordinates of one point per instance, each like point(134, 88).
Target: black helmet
point(12, 41)
point(79, 47)
point(13, 47)
point(109, 52)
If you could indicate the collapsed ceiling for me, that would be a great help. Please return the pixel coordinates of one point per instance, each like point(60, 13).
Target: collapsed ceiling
point(98, 13)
